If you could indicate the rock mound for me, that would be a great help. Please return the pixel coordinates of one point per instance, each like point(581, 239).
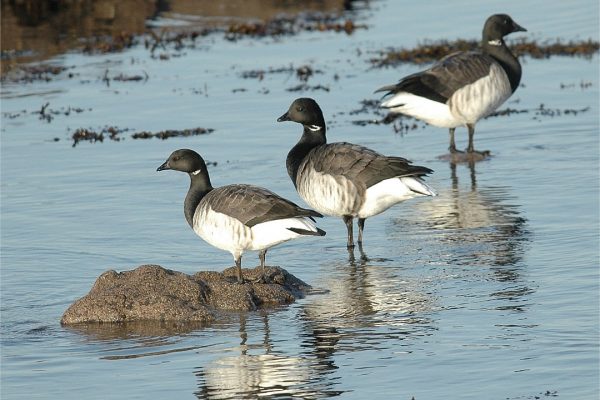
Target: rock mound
point(153, 293)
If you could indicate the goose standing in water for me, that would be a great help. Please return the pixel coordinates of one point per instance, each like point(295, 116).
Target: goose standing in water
point(344, 179)
point(462, 87)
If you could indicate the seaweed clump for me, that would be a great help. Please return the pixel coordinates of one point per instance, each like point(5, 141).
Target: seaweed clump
point(432, 51)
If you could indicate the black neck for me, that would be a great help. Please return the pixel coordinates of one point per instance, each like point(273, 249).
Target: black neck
point(199, 187)
point(510, 64)
point(311, 138)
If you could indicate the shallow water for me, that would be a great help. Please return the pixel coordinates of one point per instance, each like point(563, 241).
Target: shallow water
point(489, 290)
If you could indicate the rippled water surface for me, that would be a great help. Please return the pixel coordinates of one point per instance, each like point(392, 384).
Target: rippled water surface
point(488, 291)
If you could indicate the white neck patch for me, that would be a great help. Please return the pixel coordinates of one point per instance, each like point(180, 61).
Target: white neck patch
point(496, 42)
point(314, 128)
point(196, 172)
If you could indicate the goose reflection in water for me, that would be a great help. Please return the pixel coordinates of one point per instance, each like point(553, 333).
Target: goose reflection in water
point(478, 229)
point(260, 371)
point(368, 305)
point(477, 226)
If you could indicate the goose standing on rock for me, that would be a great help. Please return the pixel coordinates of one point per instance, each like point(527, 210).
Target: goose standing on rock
point(344, 179)
point(462, 87)
point(238, 217)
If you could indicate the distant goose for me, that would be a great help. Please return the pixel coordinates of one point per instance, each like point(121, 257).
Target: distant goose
point(462, 87)
point(238, 217)
point(344, 179)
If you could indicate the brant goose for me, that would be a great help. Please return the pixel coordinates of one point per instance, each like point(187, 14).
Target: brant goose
point(345, 179)
point(238, 217)
point(462, 87)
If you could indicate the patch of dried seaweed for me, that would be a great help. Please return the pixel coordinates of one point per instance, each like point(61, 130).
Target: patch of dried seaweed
point(89, 135)
point(174, 39)
point(110, 44)
point(124, 78)
point(291, 25)
point(303, 87)
point(32, 73)
point(172, 133)
point(45, 113)
point(113, 133)
point(303, 72)
point(432, 51)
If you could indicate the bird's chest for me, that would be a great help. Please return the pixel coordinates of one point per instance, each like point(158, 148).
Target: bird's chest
point(333, 195)
point(221, 230)
point(480, 98)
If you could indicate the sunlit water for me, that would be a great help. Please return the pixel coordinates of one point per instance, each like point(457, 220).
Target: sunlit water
point(489, 291)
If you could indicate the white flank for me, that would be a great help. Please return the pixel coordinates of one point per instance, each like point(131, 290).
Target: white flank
point(386, 193)
point(482, 97)
point(328, 194)
point(432, 112)
point(221, 230)
point(271, 233)
point(227, 233)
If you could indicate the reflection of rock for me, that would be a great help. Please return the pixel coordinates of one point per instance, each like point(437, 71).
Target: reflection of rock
point(151, 292)
point(158, 330)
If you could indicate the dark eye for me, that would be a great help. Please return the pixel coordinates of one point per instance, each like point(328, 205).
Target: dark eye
point(299, 109)
point(176, 158)
point(505, 22)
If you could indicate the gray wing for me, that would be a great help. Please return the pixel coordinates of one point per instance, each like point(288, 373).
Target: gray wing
point(451, 73)
point(360, 164)
point(252, 205)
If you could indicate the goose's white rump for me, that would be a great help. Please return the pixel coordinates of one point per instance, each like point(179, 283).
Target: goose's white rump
point(271, 233)
point(430, 111)
point(386, 193)
point(228, 233)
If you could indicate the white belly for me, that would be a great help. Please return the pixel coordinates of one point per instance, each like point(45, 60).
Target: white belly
point(227, 233)
point(222, 231)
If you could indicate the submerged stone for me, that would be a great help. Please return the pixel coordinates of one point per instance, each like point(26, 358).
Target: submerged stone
point(153, 293)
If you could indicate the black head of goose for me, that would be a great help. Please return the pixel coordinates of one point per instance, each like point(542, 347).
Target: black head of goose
point(344, 179)
point(462, 87)
point(238, 217)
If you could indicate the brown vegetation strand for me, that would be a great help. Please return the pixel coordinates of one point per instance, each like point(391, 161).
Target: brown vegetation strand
point(433, 51)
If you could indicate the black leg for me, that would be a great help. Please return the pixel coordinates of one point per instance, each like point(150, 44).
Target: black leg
point(348, 222)
point(361, 227)
point(471, 128)
point(473, 154)
point(238, 264)
point(262, 255)
point(452, 146)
